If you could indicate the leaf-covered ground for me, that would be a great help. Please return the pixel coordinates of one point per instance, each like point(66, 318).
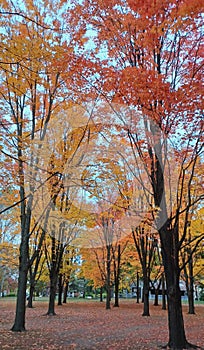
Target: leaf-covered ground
point(88, 326)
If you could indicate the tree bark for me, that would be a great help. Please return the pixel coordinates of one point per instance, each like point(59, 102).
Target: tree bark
point(60, 288)
point(31, 293)
point(163, 293)
point(108, 277)
point(156, 297)
point(169, 236)
point(19, 322)
point(191, 306)
point(177, 337)
point(145, 295)
point(65, 292)
point(53, 288)
point(116, 261)
point(101, 294)
point(116, 303)
point(138, 288)
point(56, 258)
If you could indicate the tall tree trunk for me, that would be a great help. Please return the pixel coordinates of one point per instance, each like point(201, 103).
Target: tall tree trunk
point(138, 288)
point(56, 258)
point(101, 294)
point(177, 337)
point(31, 292)
point(65, 292)
point(191, 306)
point(163, 293)
point(53, 288)
point(19, 323)
point(60, 288)
point(169, 236)
point(116, 261)
point(116, 303)
point(156, 297)
point(2, 283)
point(145, 295)
point(108, 277)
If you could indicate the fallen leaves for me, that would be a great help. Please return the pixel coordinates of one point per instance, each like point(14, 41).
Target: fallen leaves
point(88, 326)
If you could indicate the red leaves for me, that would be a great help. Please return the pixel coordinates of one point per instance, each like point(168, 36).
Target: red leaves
point(87, 326)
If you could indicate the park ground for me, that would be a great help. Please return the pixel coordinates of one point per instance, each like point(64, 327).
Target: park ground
point(86, 325)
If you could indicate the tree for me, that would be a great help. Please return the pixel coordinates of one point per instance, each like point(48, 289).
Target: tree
point(145, 244)
point(8, 249)
point(68, 268)
point(153, 66)
point(36, 262)
point(92, 266)
point(100, 241)
point(190, 254)
point(31, 92)
point(54, 262)
point(118, 253)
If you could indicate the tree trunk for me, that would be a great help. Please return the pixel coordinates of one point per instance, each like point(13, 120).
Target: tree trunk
point(156, 297)
point(2, 283)
point(143, 295)
point(31, 293)
point(191, 306)
point(146, 296)
point(57, 253)
point(60, 289)
point(53, 288)
point(177, 337)
point(65, 292)
point(108, 276)
point(117, 274)
point(116, 303)
point(138, 288)
point(101, 294)
point(145, 290)
point(19, 323)
point(163, 293)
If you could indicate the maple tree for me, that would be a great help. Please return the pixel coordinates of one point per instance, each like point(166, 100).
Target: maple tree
point(64, 213)
point(8, 249)
point(130, 268)
point(143, 130)
point(36, 261)
point(146, 59)
point(31, 92)
point(191, 254)
point(55, 246)
point(158, 278)
point(9, 231)
point(145, 244)
point(68, 268)
point(102, 258)
point(101, 242)
point(117, 255)
point(92, 266)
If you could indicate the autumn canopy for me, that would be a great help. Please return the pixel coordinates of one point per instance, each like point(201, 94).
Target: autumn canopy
point(101, 144)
